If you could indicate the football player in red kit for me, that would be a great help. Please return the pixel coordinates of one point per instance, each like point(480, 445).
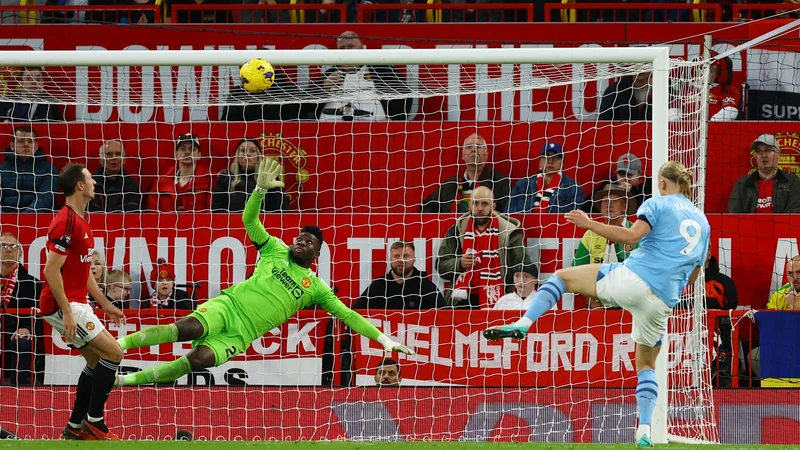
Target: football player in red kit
point(723, 99)
point(63, 303)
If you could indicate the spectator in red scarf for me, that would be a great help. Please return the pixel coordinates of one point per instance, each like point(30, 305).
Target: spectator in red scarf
point(18, 289)
point(187, 185)
point(477, 251)
point(165, 294)
point(550, 190)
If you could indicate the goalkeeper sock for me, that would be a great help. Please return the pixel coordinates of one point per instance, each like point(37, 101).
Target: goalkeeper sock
point(159, 334)
point(103, 381)
point(164, 373)
point(82, 398)
point(646, 395)
point(543, 301)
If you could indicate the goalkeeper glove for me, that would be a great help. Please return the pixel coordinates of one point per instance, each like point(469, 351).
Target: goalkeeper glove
point(391, 346)
point(269, 171)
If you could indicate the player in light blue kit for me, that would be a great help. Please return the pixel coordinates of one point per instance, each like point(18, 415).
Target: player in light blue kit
point(673, 237)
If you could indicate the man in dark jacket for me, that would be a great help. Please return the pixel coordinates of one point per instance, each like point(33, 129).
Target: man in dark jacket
point(30, 103)
point(769, 189)
point(628, 99)
point(404, 287)
point(19, 289)
point(116, 190)
point(27, 179)
point(454, 193)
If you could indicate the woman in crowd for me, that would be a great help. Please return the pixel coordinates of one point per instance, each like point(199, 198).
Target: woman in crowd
point(235, 183)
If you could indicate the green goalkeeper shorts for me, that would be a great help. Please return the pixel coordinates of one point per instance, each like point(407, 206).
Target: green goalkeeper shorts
point(225, 333)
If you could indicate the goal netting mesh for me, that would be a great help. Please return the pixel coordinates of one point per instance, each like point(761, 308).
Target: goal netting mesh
point(373, 154)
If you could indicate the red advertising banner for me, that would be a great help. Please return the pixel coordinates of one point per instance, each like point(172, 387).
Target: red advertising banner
point(389, 413)
point(168, 86)
point(213, 248)
point(290, 354)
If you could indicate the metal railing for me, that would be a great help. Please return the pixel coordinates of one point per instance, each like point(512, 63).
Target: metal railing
point(634, 12)
point(38, 15)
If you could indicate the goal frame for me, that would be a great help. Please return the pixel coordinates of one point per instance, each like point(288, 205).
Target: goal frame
point(658, 56)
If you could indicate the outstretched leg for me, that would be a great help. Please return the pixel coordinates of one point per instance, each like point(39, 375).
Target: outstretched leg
point(201, 357)
point(580, 280)
point(187, 329)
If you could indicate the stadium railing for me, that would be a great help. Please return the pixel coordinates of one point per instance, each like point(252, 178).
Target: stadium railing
point(633, 12)
point(752, 11)
point(295, 13)
point(469, 12)
point(38, 15)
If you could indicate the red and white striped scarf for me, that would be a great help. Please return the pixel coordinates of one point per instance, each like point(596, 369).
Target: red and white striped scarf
point(485, 275)
point(9, 283)
point(543, 194)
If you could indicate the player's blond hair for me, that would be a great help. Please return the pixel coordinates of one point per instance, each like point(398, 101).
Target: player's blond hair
point(678, 174)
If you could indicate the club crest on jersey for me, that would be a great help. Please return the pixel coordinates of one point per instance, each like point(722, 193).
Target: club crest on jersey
point(90, 326)
point(306, 282)
point(203, 310)
point(628, 248)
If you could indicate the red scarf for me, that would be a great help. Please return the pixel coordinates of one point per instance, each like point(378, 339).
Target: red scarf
point(543, 195)
point(9, 283)
point(155, 302)
point(485, 275)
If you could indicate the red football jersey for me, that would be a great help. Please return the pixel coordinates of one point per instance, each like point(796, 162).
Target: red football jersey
point(722, 97)
point(69, 235)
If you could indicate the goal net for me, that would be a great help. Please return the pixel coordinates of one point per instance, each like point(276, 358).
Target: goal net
point(377, 147)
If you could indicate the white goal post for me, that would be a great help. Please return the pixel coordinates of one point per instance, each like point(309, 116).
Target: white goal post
point(639, 59)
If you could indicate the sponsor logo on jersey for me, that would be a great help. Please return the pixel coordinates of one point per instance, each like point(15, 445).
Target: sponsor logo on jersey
point(88, 256)
point(789, 160)
point(293, 161)
point(286, 280)
point(306, 282)
point(90, 326)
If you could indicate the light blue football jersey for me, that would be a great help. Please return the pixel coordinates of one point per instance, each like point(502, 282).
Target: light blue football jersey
point(677, 243)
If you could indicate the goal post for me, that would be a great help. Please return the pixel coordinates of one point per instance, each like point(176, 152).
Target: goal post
point(665, 138)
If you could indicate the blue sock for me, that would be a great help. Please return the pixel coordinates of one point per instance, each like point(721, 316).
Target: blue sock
point(646, 395)
point(547, 296)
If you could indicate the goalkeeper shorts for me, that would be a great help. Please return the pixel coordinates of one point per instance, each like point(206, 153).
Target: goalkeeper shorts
point(225, 334)
point(619, 286)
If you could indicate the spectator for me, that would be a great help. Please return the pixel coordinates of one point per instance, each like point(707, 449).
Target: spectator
point(27, 179)
point(118, 289)
point(768, 189)
point(525, 280)
point(99, 270)
point(186, 186)
point(476, 252)
point(220, 15)
point(235, 183)
point(18, 289)
point(284, 100)
point(453, 195)
point(166, 295)
point(404, 287)
point(723, 99)
point(615, 207)
point(137, 17)
point(787, 297)
point(549, 191)
point(30, 103)
point(721, 292)
point(364, 81)
point(116, 190)
point(388, 373)
point(630, 177)
point(630, 98)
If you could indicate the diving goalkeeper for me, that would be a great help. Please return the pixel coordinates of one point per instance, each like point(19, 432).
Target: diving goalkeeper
point(281, 285)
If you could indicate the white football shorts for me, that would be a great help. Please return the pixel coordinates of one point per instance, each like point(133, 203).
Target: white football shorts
point(619, 286)
point(88, 324)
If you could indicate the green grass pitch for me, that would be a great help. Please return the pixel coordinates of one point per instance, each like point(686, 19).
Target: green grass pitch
point(234, 445)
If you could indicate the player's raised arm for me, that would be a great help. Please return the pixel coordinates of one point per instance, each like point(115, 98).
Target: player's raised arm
point(268, 172)
point(614, 233)
point(359, 324)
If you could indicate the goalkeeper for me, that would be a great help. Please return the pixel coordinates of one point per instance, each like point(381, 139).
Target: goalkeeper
point(281, 285)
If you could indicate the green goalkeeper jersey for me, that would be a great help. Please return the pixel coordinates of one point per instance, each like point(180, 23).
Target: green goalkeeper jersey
point(279, 287)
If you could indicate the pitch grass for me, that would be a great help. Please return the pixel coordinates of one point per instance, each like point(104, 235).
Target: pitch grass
point(235, 445)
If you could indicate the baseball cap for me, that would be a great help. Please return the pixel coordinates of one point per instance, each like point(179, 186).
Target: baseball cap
point(552, 147)
point(608, 189)
point(188, 138)
point(629, 163)
point(766, 139)
point(528, 268)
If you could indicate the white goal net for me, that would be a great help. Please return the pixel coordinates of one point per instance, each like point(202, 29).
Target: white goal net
point(382, 150)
